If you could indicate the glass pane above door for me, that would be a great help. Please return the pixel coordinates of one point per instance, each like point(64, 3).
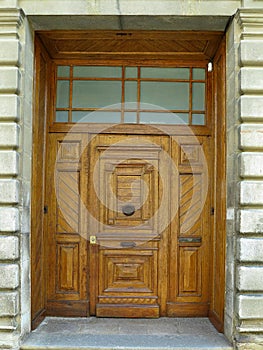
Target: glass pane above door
point(129, 94)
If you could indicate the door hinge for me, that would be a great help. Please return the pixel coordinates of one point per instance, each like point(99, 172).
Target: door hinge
point(45, 209)
point(210, 67)
point(212, 211)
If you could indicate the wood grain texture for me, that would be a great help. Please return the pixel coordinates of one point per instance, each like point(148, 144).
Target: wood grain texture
point(145, 44)
point(66, 246)
point(38, 185)
point(219, 219)
point(128, 174)
point(162, 275)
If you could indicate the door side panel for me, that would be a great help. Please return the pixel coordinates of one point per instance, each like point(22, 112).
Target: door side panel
point(66, 248)
point(190, 231)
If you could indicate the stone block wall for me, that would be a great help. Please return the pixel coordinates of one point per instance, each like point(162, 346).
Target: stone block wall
point(249, 228)
point(14, 226)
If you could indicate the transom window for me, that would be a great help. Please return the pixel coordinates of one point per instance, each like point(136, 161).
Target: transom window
point(128, 94)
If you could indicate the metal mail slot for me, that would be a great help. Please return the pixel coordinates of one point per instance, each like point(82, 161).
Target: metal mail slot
point(190, 239)
point(128, 244)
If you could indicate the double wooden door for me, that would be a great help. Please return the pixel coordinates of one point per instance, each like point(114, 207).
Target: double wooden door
point(127, 225)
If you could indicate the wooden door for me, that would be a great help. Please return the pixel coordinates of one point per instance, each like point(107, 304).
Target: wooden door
point(129, 178)
point(128, 225)
point(175, 265)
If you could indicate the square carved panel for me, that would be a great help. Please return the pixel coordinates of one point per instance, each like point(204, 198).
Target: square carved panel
point(127, 272)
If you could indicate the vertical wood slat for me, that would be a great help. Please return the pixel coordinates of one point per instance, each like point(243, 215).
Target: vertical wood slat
point(218, 272)
point(38, 185)
point(70, 94)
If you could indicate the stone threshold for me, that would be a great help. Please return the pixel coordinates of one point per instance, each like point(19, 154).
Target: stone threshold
point(56, 333)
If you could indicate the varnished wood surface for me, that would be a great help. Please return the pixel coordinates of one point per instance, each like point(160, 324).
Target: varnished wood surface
point(38, 290)
point(219, 219)
point(162, 269)
point(68, 274)
point(129, 44)
point(126, 278)
point(66, 242)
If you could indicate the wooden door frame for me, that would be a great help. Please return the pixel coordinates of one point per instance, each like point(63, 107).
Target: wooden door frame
point(218, 221)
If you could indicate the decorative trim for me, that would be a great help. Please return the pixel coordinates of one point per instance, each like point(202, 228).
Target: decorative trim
point(136, 301)
point(10, 21)
point(250, 22)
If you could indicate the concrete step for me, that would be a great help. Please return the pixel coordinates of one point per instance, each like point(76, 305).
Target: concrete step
point(110, 334)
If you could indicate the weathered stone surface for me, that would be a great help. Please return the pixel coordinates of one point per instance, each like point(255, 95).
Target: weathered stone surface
point(9, 53)
point(9, 135)
point(250, 306)
point(9, 248)
point(9, 107)
point(252, 3)
point(251, 221)
point(9, 80)
point(250, 249)
point(8, 303)
point(8, 323)
point(9, 340)
point(251, 136)
point(249, 278)
point(9, 219)
point(251, 52)
point(250, 79)
point(251, 326)
point(8, 3)
point(249, 346)
point(9, 276)
point(102, 333)
point(251, 164)
point(251, 107)
point(9, 163)
point(106, 7)
point(9, 191)
point(251, 192)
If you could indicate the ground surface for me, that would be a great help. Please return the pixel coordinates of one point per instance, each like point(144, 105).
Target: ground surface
point(107, 333)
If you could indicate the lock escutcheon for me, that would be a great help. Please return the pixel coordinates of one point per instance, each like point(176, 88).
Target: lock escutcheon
point(93, 240)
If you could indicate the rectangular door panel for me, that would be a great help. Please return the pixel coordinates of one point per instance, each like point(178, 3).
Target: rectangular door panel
point(127, 196)
point(190, 231)
point(66, 246)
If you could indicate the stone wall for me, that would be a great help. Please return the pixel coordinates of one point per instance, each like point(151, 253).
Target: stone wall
point(249, 267)
point(10, 173)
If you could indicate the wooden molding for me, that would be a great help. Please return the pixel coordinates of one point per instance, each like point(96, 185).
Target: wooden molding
point(187, 45)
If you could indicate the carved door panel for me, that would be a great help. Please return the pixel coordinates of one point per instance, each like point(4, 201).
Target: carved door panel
point(191, 251)
point(66, 244)
point(128, 201)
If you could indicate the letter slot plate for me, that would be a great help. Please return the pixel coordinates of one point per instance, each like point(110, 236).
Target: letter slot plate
point(190, 239)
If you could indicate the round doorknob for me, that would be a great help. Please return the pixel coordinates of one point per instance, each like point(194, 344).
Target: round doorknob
point(128, 209)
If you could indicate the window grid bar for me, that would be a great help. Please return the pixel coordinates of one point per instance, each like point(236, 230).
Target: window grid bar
point(135, 79)
point(132, 110)
point(190, 96)
point(70, 94)
point(138, 95)
point(122, 94)
point(123, 79)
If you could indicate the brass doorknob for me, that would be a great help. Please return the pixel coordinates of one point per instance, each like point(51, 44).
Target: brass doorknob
point(128, 209)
